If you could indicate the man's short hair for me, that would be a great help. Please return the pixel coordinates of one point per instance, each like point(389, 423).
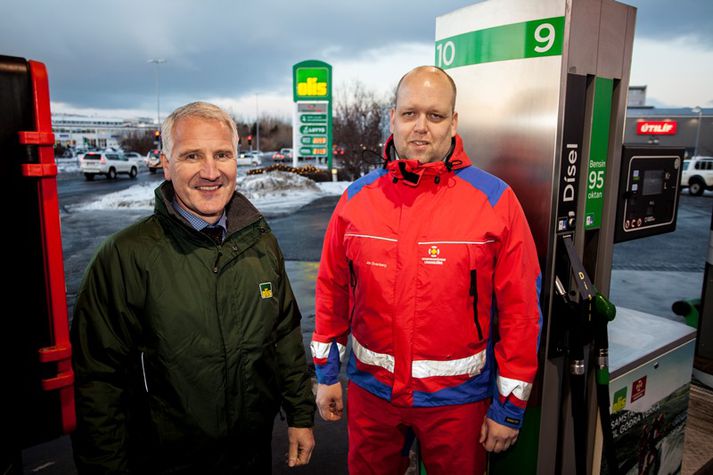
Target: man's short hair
point(432, 69)
point(203, 110)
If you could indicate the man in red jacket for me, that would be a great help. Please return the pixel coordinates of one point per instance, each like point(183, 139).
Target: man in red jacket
point(429, 264)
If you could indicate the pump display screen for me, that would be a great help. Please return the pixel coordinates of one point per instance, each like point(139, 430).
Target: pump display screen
point(653, 182)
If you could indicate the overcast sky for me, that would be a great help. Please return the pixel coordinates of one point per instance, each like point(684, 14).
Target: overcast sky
point(239, 54)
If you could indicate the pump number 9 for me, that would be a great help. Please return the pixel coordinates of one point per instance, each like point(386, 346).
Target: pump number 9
point(545, 36)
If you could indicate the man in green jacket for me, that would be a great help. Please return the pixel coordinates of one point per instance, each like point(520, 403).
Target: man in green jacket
point(186, 335)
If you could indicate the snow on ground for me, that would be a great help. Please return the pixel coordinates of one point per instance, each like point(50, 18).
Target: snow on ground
point(272, 193)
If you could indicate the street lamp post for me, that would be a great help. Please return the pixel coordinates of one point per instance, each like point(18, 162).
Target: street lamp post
point(698, 110)
point(157, 62)
point(257, 125)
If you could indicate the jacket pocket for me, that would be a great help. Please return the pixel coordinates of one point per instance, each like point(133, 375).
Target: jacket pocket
point(474, 295)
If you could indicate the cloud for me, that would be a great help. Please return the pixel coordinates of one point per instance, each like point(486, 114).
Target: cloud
point(664, 20)
point(675, 73)
point(96, 52)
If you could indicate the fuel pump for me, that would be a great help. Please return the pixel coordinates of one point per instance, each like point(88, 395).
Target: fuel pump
point(542, 92)
point(35, 355)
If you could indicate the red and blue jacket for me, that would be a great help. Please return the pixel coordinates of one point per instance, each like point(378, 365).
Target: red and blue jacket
point(423, 265)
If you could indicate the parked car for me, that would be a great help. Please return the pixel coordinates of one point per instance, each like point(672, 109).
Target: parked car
point(697, 175)
point(108, 164)
point(249, 158)
point(283, 154)
point(153, 160)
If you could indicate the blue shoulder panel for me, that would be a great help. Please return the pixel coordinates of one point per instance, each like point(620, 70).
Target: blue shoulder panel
point(490, 185)
point(368, 179)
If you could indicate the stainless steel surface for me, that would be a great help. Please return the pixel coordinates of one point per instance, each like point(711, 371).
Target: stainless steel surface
point(511, 132)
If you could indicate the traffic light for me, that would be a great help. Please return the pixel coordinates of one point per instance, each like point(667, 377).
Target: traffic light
point(250, 139)
point(157, 137)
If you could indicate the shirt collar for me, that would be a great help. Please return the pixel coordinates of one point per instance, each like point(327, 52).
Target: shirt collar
point(197, 223)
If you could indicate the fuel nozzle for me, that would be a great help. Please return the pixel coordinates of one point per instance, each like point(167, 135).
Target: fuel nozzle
point(603, 308)
point(603, 312)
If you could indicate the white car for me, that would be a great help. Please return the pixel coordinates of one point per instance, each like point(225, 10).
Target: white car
point(109, 164)
point(134, 156)
point(697, 175)
point(153, 160)
point(249, 158)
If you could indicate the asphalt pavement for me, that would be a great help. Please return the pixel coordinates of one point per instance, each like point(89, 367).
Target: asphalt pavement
point(648, 275)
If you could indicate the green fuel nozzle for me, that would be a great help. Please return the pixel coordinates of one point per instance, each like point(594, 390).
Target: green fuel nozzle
point(603, 308)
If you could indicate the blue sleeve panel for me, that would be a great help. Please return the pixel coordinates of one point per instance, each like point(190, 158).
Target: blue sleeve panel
point(506, 414)
point(328, 373)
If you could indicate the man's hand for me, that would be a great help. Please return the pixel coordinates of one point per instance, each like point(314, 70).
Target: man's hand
point(497, 437)
point(301, 445)
point(329, 401)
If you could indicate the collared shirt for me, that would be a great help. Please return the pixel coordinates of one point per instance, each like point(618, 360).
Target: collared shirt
point(198, 223)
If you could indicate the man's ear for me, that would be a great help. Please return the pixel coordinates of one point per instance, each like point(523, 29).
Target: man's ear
point(392, 113)
point(454, 125)
point(164, 164)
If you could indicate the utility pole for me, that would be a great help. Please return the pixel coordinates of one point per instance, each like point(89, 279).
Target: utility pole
point(157, 62)
point(698, 110)
point(257, 122)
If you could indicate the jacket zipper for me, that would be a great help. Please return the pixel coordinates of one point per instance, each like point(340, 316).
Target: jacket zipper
point(353, 284)
point(143, 370)
point(474, 294)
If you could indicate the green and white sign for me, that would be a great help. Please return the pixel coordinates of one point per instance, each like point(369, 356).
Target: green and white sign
point(312, 119)
point(598, 153)
point(528, 39)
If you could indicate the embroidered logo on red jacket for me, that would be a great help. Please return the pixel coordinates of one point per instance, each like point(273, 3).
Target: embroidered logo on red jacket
point(433, 259)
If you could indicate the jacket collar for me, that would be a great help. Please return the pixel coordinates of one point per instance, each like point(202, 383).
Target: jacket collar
point(411, 171)
point(239, 211)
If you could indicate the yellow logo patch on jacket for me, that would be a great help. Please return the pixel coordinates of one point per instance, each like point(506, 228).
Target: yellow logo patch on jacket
point(266, 290)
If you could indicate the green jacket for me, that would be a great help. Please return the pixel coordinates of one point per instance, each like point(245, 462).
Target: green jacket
point(184, 351)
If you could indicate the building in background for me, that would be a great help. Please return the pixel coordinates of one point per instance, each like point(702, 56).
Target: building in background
point(83, 132)
point(688, 127)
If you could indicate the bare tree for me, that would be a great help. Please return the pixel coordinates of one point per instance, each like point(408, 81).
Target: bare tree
point(275, 132)
point(359, 115)
point(139, 141)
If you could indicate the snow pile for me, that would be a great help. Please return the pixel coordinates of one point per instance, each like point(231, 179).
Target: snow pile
point(272, 193)
point(136, 197)
point(278, 192)
point(274, 183)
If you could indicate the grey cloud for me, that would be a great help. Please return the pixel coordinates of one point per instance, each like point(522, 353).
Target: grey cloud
point(96, 51)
